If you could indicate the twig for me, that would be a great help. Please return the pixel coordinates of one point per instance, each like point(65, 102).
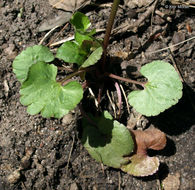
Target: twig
point(119, 180)
point(180, 75)
point(173, 60)
point(23, 185)
point(70, 38)
point(188, 3)
point(163, 15)
point(100, 93)
point(51, 41)
point(107, 5)
point(64, 68)
point(155, 5)
point(102, 167)
point(62, 41)
point(171, 46)
point(70, 153)
point(125, 98)
point(111, 102)
point(134, 27)
point(47, 34)
point(93, 95)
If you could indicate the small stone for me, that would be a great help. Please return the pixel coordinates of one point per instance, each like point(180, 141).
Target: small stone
point(73, 186)
point(67, 119)
point(6, 87)
point(25, 163)
point(11, 54)
point(14, 177)
point(171, 182)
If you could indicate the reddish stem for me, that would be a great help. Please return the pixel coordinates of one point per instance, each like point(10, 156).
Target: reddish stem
point(119, 97)
point(125, 79)
point(108, 30)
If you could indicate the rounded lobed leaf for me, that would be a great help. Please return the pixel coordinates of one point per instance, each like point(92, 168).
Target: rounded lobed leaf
point(93, 58)
point(28, 57)
point(41, 93)
point(71, 52)
point(80, 21)
point(163, 89)
point(141, 165)
point(108, 142)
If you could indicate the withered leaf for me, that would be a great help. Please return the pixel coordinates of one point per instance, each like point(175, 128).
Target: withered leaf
point(150, 138)
point(69, 5)
point(141, 165)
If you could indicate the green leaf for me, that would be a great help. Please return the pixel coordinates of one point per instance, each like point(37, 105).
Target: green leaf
point(82, 36)
point(90, 46)
point(141, 165)
point(80, 21)
point(71, 52)
point(41, 93)
point(163, 89)
point(93, 58)
point(108, 142)
point(28, 57)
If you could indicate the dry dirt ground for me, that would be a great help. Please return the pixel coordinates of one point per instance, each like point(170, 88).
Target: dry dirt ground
point(56, 158)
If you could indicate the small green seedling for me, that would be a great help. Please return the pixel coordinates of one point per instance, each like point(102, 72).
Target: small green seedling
point(106, 140)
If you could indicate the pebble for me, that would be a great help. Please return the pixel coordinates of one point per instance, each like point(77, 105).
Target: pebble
point(172, 182)
point(67, 119)
point(73, 186)
point(14, 177)
point(10, 52)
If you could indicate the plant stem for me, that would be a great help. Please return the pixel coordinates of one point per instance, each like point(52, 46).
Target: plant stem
point(119, 98)
point(125, 79)
point(71, 75)
point(110, 22)
point(109, 28)
point(77, 73)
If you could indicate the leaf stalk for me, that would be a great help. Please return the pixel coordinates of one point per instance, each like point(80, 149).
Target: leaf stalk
point(108, 29)
point(125, 79)
point(82, 70)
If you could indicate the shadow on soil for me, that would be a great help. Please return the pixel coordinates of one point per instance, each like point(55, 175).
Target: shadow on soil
point(180, 117)
point(160, 175)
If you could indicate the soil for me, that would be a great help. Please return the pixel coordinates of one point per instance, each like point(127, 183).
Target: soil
point(49, 150)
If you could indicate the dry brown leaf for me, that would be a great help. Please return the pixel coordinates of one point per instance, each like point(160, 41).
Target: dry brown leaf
point(151, 138)
point(141, 165)
point(71, 5)
point(53, 22)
